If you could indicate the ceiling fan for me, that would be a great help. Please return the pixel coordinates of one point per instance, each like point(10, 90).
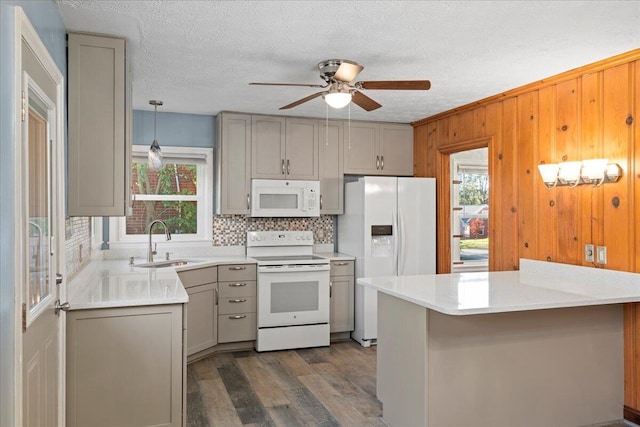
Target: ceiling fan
point(338, 75)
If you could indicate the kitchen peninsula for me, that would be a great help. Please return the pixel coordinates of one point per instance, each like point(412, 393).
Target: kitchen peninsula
point(539, 346)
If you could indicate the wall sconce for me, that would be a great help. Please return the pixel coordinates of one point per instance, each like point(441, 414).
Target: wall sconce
point(595, 172)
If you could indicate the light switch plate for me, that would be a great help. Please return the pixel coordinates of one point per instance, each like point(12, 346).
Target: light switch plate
point(588, 252)
point(601, 254)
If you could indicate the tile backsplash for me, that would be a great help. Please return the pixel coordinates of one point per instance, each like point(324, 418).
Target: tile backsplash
point(231, 230)
point(78, 244)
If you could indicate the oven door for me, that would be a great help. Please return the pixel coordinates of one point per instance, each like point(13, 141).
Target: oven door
point(293, 295)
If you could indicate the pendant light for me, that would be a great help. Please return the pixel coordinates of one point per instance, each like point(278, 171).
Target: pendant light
point(155, 154)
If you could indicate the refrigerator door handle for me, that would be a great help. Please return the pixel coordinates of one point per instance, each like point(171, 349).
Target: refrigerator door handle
point(401, 239)
point(394, 235)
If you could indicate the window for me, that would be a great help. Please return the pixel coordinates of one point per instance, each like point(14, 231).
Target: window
point(470, 211)
point(180, 194)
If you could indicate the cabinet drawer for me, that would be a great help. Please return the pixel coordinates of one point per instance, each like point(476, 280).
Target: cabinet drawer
point(237, 289)
point(236, 272)
point(197, 277)
point(237, 305)
point(236, 327)
point(342, 268)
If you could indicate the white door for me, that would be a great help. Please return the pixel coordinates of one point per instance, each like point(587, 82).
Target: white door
point(39, 233)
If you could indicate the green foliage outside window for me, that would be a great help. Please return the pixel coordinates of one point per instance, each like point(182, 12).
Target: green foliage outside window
point(180, 216)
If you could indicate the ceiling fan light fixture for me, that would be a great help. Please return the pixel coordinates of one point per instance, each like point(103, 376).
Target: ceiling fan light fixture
point(337, 99)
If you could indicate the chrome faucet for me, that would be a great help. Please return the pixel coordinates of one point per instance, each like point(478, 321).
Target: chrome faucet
point(167, 236)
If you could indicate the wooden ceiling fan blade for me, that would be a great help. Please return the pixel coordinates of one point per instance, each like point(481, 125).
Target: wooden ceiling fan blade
point(395, 85)
point(302, 101)
point(288, 84)
point(364, 102)
point(346, 72)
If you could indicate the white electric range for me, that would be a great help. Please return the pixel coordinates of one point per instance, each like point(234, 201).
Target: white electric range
point(293, 290)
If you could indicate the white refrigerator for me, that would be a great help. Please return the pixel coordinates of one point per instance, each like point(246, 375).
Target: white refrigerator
point(389, 226)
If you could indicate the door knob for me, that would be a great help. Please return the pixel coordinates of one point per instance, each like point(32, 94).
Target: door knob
point(64, 307)
point(58, 279)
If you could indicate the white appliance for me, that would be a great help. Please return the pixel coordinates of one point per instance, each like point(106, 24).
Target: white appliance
point(281, 198)
point(389, 226)
point(293, 290)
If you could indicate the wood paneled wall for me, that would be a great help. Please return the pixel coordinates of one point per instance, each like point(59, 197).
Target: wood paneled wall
point(590, 112)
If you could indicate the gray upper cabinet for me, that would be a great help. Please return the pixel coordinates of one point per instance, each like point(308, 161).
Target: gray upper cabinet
point(396, 149)
point(99, 126)
point(331, 167)
point(301, 153)
point(268, 147)
point(361, 143)
point(378, 149)
point(233, 157)
point(284, 148)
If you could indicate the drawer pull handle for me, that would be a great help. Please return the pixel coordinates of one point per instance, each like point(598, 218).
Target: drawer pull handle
point(237, 268)
point(340, 263)
point(241, 316)
point(238, 300)
point(235, 285)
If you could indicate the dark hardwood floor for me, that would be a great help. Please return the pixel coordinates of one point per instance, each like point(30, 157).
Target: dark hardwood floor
point(328, 386)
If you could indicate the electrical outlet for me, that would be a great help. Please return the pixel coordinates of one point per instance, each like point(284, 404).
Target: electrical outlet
point(601, 254)
point(588, 252)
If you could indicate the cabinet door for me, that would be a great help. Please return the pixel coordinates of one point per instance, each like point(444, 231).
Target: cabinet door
point(301, 153)
point(268, 147)
point(125, 366)
point(361, 141)
point(396, 150)
point(331, 168)
point(233, 164)
point(341, 316)
point(202, 314)
point(97, 146)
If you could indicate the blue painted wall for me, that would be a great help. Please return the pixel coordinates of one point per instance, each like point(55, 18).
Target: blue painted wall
point(46, 20)
point(174, 129)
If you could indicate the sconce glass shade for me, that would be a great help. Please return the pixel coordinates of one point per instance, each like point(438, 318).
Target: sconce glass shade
point(593, 171)
point(613, 172)
point(337, 99)
point(549, 174)
point(569, 173)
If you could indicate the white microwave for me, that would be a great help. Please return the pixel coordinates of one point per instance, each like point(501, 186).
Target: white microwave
point(281, 198)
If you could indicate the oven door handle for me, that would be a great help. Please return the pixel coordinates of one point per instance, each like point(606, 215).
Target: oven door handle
point(294, 269)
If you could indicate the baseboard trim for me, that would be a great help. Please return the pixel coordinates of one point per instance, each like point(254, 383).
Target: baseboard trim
point(632, 415)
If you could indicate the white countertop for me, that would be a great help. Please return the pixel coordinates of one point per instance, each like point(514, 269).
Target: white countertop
point(538, 285)
point(114, 283)
point(335, 256)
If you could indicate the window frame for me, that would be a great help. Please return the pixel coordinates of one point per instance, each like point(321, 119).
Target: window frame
point(204, 198)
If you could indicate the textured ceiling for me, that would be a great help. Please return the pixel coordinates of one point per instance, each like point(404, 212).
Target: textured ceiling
point(199, 56)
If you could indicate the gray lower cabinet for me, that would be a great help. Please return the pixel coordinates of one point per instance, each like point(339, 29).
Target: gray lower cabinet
point(237, 304)
point(99, 126)
point(202, 308)
point(342, 296)
point(222, 305)
point(202, 318)
point(125, 366)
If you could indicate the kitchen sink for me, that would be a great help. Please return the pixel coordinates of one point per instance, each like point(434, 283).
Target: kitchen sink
point(163, 264)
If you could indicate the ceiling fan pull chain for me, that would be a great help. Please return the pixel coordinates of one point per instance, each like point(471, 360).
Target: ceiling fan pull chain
point(326, 127)
point(349, 126)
